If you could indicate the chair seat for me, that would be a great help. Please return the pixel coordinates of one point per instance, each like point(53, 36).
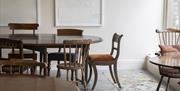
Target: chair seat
point(101, 59)
point(70, 67)
point(6, 69)
point(170, 72)
point(26, 53)
point(59, 56)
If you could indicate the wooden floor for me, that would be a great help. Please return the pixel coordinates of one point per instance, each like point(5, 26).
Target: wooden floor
point(131, 80)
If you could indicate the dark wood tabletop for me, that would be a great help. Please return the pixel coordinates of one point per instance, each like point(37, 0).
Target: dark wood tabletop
point(47, 40)
point(167, 60)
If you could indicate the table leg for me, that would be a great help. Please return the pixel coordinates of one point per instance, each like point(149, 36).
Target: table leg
point(0, 53)
point(43, 57)
point(159, 83)
point(179, 82)
point(167, 85)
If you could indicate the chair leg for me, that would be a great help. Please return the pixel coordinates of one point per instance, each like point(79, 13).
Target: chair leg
point(111, 72)
point(67, 77)
point(95, 76)
point(45, 72)
point(167, 85)
point(76, 74)
point(83, 79)
point(58, 62)
point(58, 73)
point(159, 83)
point(90, 73)
point(49, 67)
point(116, 75)
point(72, 75)
point(40, 59)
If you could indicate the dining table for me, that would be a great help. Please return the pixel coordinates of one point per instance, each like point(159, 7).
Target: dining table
point(42, 42)
point(32, 83)
point(168, 61)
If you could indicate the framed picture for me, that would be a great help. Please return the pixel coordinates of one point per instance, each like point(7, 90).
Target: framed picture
point(78, 13)
point(19, 11)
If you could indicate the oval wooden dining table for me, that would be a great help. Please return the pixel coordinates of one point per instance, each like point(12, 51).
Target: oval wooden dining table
point(41, 42)
point(19, 83)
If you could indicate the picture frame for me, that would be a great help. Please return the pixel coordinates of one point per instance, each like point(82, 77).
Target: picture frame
point(19, 11)
point(78, 12)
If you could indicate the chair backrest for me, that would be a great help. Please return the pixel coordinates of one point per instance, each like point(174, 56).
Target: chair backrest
point(169, 37)
point(79, 49)
point(169, 41)
point(115, 50)
point(70, 32)
point(22, 68)
point(23, 26)
point(12, 44)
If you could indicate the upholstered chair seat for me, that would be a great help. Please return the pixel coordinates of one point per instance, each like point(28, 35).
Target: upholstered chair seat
point(59, 56)
point(102, 59)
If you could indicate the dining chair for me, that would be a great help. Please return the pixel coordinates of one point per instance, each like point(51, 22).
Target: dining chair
point(24, 27)
point(11, 44)
point(30, 68)
point(106, 60)
point(169, 41)
point(59, 56)
point(80, 49)
point(6, 43)
point(17, 65)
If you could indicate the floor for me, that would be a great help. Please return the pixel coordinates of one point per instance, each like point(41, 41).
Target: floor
point(131, 80)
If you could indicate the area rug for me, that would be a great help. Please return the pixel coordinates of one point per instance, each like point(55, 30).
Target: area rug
point(136, 81)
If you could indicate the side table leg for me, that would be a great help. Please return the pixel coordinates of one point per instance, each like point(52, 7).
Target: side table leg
point(167, 85)
point(159, 83)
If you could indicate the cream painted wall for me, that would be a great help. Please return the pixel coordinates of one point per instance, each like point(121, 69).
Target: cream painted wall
point(135, 19)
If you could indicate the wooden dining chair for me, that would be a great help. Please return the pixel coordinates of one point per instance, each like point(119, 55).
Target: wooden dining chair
point(59, 56)
point(30, 68)
point(169, 41)
point(23, 27)
point(80, 49)
point(6, 43)
point(106, 60)
point(16, 65)
point(10, 44)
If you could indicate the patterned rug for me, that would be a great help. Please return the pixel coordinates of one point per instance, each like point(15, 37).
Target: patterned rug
point(136, 81)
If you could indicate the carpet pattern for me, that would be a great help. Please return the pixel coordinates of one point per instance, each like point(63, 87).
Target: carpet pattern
point(131, 80)
point(136, 81)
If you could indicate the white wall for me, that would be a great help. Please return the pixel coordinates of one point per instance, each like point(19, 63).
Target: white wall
point(135, 19)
